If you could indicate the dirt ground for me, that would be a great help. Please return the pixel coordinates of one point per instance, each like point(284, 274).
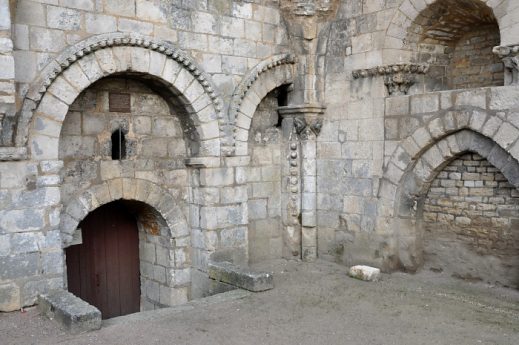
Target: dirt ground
point(311, 304)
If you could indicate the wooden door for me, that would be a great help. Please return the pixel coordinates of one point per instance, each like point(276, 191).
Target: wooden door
point(104, 269)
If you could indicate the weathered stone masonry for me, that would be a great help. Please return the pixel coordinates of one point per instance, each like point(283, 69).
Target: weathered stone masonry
point(260, 129)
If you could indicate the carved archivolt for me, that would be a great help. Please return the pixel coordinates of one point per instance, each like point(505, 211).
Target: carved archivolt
point(236, 107)
point(93, 44)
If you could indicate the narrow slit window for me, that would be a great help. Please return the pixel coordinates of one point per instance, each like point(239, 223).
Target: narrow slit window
point(118, 145)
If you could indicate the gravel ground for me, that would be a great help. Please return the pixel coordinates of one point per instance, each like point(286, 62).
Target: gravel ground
point(311, 304)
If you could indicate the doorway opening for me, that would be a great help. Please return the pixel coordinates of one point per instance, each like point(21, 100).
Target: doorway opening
point(104, 268)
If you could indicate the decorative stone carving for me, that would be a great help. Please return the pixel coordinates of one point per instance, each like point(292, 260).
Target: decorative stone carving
point(397, 78)
point(306, 129)
point(240, 92)
point(95, 43)
point(321, 8)
point(510, 57)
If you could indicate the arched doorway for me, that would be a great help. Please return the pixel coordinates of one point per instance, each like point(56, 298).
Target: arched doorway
point(104, 268)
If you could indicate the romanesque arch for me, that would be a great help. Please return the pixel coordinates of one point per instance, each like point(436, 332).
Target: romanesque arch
point(47, 102)
point(144, 191)
point(455, 38)
point(265, 77)
point(409, 11)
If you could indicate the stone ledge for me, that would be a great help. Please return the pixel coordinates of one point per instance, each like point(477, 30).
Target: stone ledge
point(202, 162)
point(75, 314)
point(229, 273)
point(13, 153)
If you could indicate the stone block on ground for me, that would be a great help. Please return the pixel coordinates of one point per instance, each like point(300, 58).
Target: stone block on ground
point(243, 278)
point(365, 273)
point(71, 311)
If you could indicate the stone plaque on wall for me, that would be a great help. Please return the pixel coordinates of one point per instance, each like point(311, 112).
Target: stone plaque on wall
point(119, 102)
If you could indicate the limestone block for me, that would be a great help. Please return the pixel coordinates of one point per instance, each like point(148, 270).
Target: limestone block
point(178, 276)
point(427, 103)
point(506, 135)
point(106, 61)
point(63, 18)
point(233, 237)
point(231, 195)
point(52, 263)
point(27, 242)
point(475, 98)
point(87, 5)
point(9, 297)
point(27, 12)
point(21, 220)
point(184, 79)
point(19, 266)
point(232, 27)
point(157, 61)
point(234, 65)
point(91, 68)
point(491, 126)
point(71, 311)
point(365, 273)
point(7, 67)
point(504, 97)
point(150, 11)
point(47, 40)
point(120, 7)
point(173, 296)
point(257, 209)
point(204, 23)
point(217, 177)
point(242, 10)
point(5, 245)
point(229, 273)
point(99, 23)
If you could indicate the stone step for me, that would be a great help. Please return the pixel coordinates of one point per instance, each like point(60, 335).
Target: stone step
point(75, 314)
point(243, 278)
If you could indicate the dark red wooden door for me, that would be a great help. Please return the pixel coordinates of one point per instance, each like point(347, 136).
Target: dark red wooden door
point(104, 269)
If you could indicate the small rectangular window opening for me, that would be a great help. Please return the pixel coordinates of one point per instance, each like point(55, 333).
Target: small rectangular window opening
point(118, 145)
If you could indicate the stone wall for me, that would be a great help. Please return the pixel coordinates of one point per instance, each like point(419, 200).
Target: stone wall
point(264, 182)
point(212, 63)
point(473, 64)
point(165, 263)
point(155, 148)
point(155, 151)
point(470, 217)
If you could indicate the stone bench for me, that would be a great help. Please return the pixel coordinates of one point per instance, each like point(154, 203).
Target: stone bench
point(71, 311)
point(243, 278)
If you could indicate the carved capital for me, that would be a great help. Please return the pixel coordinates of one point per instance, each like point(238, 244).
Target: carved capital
point(398, 84)
point(309, 8)
point(307, 119)
point(397, 78)
point(510, 57)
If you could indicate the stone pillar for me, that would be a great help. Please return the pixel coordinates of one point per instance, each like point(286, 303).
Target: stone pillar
point(301, 126)
point(218, 209)
point(7, 89)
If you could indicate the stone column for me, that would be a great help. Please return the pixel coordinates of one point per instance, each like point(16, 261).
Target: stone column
point(7, 89)
point(301, 126)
